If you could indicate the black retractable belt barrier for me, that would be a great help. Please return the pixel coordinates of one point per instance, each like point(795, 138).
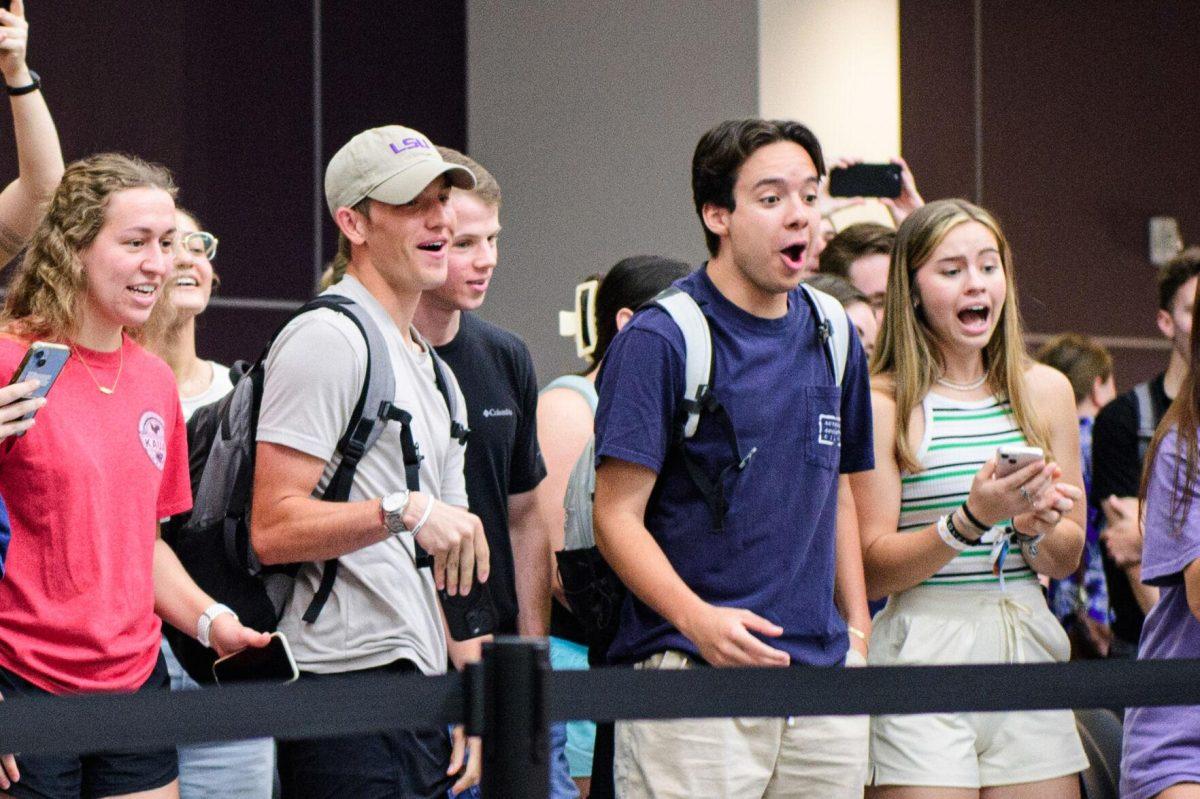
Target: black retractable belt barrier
point(511, 698)
point(516, 746)
point(155, 719)
point(615, 694)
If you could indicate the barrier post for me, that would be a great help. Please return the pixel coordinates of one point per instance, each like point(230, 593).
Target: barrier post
point(516, 744)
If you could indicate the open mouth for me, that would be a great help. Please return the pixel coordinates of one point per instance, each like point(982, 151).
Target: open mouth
point(186, 282)
point(975, 317)
point(794, 255)
point(432, 246)
point(143, 290)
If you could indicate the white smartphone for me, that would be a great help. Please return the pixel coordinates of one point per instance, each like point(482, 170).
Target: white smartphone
point(270, 663)
point(1011, 458)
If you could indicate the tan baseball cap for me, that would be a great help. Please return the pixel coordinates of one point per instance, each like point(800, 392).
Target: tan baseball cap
point(392, 164)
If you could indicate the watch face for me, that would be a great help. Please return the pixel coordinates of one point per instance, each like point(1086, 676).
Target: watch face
point(393, 502)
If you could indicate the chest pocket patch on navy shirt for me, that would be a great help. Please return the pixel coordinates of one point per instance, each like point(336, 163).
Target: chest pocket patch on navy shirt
point(822, 420)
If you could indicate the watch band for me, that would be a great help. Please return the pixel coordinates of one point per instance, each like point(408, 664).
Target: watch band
point(17, 91)
point(204, 623)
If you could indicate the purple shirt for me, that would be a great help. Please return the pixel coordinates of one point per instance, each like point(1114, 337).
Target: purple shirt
point(775, 555)
point(1162, 744)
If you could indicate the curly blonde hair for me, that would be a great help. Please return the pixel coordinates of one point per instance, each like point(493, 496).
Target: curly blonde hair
point(43, 300)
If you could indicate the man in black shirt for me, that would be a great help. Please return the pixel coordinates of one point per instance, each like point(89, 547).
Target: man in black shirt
point(1119, 442)
point(495, 371)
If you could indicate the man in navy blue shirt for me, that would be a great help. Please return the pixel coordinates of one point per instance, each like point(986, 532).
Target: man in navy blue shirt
point(763, 585)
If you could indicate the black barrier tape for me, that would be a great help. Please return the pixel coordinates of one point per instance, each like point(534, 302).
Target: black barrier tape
point(614, 694)
point(366, 703)
point(157, 719)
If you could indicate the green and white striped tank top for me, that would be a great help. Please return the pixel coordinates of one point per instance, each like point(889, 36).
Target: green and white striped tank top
point(959, 437)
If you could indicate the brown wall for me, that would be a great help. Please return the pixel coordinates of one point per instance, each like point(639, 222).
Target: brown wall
point(1088, 129)
point(224, 96)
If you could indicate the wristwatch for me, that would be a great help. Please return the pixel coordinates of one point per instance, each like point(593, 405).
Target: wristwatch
point(204, 624)
point(33, 86)
point(392, 507)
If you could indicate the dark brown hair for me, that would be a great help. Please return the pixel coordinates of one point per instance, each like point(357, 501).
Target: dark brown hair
point(721, 152)
point(1179, 270)
point(1080, 359)
point(865, 238)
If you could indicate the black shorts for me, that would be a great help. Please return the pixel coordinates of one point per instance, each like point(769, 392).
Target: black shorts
point(93, 775)
point(407, 764)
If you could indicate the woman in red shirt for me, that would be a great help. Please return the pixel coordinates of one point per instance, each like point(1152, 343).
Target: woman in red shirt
point(87, 576)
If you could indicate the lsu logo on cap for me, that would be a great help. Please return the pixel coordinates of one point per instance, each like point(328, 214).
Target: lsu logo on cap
point(153, 433)
point(411, 143)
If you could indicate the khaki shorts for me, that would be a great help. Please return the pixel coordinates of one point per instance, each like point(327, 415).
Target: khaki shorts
point(930, 625)
point(821, 757)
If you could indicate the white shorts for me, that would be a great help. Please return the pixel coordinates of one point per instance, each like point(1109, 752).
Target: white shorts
point(930, 625)
point(823, 757)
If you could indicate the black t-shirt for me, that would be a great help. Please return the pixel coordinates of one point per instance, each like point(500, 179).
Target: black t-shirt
point(495, 372)
point(1117, 471)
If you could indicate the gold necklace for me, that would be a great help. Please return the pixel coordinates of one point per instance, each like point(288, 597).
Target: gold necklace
point(120, 366)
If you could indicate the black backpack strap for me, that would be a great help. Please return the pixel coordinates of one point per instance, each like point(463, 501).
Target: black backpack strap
point(457, 431)
point(712, 489)
point(371, 413)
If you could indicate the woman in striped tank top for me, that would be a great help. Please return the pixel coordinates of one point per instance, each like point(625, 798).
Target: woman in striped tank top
point(955, 547)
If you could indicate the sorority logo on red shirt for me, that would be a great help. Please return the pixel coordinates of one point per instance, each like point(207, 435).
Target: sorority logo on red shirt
point(153, 432)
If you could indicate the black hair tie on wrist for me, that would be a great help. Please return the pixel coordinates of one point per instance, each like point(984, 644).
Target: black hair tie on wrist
point(973, 520)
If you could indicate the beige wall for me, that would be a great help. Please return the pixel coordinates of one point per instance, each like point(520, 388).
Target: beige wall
point(834, 65)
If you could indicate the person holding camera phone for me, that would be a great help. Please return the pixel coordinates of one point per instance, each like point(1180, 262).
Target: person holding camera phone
point(89, 578)
point(388, 190)
point(955, 546)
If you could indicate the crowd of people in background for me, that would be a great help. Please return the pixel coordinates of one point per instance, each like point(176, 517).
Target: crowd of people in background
point(820, 499)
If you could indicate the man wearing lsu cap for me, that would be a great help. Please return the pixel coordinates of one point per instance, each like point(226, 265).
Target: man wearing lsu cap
point(388, 190)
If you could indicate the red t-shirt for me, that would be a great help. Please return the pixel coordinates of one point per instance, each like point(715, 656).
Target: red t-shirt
point(85, 488)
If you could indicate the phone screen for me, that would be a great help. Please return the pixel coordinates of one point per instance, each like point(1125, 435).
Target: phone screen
point(271, 663)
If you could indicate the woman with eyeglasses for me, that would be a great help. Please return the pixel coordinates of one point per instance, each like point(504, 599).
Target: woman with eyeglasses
point(238, 769)
point(200, 381)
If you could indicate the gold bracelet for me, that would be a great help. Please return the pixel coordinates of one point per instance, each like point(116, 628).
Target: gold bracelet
point(857, 633)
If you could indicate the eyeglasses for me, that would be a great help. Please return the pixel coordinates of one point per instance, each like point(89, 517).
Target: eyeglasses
point(200, 243)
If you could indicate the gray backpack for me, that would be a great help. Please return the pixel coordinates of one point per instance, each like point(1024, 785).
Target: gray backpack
point(591, 588)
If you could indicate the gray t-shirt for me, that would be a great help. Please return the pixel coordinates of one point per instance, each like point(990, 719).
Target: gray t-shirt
point(382, 608)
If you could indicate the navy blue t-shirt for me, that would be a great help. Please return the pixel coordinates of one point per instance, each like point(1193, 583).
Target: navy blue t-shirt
point(775, 555)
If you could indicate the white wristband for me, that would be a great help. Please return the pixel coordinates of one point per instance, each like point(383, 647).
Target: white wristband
point(947, 537)
point(424, 517)
point(204, 623)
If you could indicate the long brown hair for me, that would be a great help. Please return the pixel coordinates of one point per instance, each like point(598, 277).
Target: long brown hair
point(906, 349)
point(46, 292)
point(1184, 416)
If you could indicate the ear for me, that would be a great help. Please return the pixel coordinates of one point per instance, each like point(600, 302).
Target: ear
point(1166, 325)
point(1094, 395)
point(352, 224)
point(716, 219)
point(623, 316)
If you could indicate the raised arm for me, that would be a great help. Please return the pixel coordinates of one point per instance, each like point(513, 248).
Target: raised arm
point(39, 155)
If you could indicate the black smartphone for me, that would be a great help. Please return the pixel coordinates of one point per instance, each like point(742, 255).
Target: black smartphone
point(472, 615)
point(270, 663)
point(43, 362)
point(865, 180)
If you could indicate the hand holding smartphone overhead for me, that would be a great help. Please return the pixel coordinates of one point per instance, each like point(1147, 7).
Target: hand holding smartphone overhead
point(1011, 458)
point(270, 663)
point(865, 180)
